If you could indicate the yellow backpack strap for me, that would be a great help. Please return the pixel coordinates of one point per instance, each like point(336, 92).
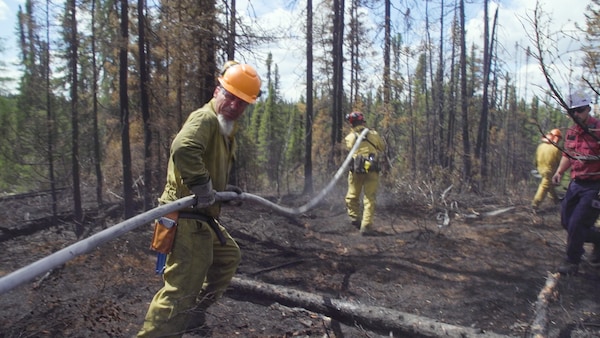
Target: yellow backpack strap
point(366, 138)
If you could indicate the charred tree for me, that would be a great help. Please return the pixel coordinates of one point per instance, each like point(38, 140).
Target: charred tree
point(145, 104)
point(73, 55)
point(463, 96)
point(377, 319)
point(50, 120)
point(96, 129)
point(308, 179)
point(124, 109)
point(338, 60)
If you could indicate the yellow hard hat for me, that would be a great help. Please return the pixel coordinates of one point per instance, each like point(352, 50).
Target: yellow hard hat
point(242, 81)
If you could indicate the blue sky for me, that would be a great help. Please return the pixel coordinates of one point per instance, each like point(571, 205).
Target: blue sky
point(8, 21)
point(289, 54)
point(512, 31)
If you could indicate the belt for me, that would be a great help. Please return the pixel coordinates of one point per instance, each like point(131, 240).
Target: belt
point(211, 221)
point(586, 181)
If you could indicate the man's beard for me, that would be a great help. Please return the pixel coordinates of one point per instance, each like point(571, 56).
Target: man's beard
point(579, 118)
point(225, 125)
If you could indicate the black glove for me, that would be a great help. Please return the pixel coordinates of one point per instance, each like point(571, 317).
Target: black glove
point(205, 195)
point(234, 188)
point(237, 190)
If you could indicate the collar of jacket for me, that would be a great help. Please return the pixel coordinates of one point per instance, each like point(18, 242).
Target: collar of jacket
point(358, 128)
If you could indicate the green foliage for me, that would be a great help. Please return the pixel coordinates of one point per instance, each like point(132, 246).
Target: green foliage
point(423, 140)
point(10, 170)
point(272, 132)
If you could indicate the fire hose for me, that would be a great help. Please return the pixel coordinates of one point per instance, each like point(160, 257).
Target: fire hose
point(31, 271)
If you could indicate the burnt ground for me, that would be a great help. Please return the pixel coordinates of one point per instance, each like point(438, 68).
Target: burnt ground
point(477, 271)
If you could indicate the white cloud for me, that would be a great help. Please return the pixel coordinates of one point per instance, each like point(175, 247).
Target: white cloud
point(3, 10)
point(515, 32)
point(513, 40)
point(288, 18)
point(8, 15)
point(8, 52)
point(287, 52)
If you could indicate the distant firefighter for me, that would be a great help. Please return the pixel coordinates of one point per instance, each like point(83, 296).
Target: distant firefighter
point(364, 173)
point(547, 158)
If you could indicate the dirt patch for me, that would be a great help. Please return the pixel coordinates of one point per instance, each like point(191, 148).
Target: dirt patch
point(481, 272)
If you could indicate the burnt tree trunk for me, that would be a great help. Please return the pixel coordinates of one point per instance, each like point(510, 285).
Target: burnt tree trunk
point(377, 319)
point(539, 327)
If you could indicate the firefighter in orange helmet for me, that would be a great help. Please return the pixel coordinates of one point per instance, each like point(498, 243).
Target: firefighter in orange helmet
point(204, 257)
point(547, 158)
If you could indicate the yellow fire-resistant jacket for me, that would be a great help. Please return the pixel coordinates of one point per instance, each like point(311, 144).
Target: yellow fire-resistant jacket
point(372, 144)
point(199, 152)
point(547, 157)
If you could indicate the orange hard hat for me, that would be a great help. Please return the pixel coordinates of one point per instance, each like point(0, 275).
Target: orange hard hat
point(554, 135)
point(228, 64)
point(241, 80)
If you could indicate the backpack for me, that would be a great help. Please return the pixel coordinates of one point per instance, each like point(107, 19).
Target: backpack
point(363, 164)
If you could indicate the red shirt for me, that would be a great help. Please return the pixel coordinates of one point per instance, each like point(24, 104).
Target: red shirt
point(584, 150)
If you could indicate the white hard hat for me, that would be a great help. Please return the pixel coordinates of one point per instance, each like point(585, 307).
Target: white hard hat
point(577, 100)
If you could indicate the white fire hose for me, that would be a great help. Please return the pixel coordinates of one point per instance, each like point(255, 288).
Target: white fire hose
point(29, 272)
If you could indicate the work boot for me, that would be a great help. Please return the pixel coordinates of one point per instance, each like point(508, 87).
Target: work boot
point(568, 268)
point(534, 209)
point(197, 319)
point(367, 230)
point(594, 238)
point(355, 222)
point(197, 324)
point(594, 259)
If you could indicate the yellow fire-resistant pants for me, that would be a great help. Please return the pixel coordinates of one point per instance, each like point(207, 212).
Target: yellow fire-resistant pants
point(546, 187)
point(197, 273)
point(368, 184)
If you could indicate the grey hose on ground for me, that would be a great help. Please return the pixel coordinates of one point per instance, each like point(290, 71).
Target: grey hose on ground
point(29, 272)
point(296, 211)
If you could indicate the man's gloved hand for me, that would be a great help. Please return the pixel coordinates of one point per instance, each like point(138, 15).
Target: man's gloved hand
point(234, 188)
point(237, 190)
point(205, 195)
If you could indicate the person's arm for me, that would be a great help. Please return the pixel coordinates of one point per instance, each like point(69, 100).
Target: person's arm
point(188, 149)
point(189, 146)
point(350, 140)
point(564, 164)
point(380, 145)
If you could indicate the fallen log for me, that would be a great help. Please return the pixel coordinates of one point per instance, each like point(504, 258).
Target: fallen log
point(539, 327)
point(377, 319)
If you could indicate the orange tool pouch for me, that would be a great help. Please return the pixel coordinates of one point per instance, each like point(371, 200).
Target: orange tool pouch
point(164, 233)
